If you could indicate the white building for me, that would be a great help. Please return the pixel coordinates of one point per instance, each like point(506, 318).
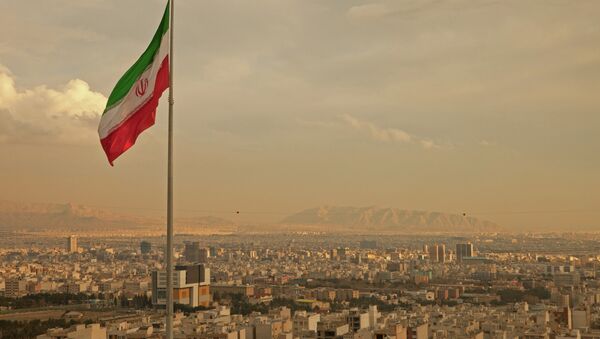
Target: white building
point(93, 331)
point(305, 323)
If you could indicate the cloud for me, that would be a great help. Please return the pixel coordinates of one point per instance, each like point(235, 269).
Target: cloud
point(387, 134)
point(44, 115)
point(487, 143)
point(428, 144)
point(368, 11)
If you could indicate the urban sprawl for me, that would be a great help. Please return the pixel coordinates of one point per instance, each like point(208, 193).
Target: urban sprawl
point(303, 286)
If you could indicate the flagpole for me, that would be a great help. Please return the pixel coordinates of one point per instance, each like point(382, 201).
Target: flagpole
point(169, 249)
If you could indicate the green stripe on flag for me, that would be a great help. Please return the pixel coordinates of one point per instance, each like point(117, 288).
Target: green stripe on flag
point(134, 72)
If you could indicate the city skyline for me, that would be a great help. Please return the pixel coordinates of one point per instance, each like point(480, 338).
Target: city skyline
point(303, 286)
point(300, 169)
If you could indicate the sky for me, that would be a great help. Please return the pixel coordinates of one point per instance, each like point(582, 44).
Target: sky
point(485, 107)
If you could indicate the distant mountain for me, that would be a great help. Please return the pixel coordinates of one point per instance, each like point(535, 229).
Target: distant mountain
point(362, 219)
point(73, 217)
point(35, 216)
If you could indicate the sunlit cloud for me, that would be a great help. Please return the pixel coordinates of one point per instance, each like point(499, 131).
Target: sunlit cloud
point(387, 134)
point(368, 11)
point(487, 143)
point(41, 114)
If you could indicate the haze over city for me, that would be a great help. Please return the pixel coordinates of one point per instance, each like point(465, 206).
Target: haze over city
point(487, 108)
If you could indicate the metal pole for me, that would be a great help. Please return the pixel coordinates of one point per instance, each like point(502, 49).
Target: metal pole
point(169, 249)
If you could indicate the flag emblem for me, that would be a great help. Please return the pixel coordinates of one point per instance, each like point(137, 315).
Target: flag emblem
point(141, 87)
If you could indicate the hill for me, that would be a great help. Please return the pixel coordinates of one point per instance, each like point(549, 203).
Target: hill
point(36, 217)
point(73, 217)
point(357, 219)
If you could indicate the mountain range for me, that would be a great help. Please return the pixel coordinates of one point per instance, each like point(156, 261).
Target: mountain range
point(73, 217)
point(357, 219)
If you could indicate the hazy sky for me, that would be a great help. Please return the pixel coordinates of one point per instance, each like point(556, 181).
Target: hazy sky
point(487, 107)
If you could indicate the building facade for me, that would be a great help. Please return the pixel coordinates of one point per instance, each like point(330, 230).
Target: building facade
point(191, 286)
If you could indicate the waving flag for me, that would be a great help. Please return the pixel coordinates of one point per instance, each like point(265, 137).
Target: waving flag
point(131, 107)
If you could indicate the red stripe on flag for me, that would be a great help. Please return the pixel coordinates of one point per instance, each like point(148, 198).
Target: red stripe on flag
point(122, 138)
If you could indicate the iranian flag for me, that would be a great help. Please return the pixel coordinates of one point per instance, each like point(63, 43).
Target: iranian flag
point(131, 107)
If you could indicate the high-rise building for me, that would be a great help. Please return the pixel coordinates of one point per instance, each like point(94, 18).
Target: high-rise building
point(15, 287)
point(441, 253)
point(72, 244)
point(190, 286)
point(191, 251)
point(145, 247)
point(203, 255)
point(433, 253)
point(437, 253)
point(464, 251)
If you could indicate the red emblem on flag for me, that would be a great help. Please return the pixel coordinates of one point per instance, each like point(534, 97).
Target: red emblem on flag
point(141, 87)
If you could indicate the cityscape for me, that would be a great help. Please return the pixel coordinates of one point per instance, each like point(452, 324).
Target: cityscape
point(305, 285)
point(300, 169)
